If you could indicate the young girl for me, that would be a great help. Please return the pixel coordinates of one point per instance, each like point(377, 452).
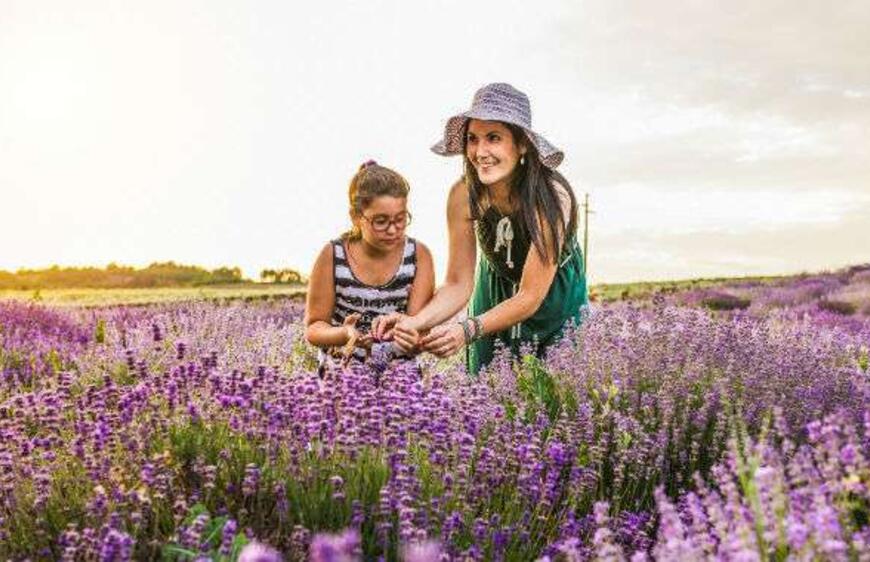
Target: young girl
point(371, 270)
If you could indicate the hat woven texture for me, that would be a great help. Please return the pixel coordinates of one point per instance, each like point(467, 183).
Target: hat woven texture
point(497, 102)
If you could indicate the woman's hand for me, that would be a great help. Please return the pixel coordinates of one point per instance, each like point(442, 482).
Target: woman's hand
point(444, 340)
point(406, 336)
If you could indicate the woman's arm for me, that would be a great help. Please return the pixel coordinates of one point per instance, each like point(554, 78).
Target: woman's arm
point(458, 283)
point(320, 303)
point(453, 295)
point(537, 277)
point(538, 274)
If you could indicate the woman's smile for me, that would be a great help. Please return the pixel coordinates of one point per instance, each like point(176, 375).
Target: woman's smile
point(486, 164)
point(492, 150)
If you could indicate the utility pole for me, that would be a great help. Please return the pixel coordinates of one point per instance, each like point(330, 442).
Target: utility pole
point(586, 213)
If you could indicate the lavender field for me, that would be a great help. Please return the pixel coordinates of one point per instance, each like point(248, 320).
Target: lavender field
point(725, 423)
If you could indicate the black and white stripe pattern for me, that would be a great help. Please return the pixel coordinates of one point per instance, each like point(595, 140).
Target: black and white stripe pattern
point(354, 296)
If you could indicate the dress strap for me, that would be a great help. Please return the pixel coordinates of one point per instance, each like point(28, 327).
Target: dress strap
point(339, 258)
point(410, 248)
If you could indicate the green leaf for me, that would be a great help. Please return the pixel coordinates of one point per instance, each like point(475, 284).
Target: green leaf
point(174, 552)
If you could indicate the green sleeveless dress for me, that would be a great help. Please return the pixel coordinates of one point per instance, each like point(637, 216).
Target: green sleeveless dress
point(497, 278)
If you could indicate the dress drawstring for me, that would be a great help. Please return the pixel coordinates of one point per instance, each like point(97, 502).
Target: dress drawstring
point(504, 236)
point(515, 329)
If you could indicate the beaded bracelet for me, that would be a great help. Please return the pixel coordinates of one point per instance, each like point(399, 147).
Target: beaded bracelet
point(478, 327)
point(472, 334)
point(466, 331)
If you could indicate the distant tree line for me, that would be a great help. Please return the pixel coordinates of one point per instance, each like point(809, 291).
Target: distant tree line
point(288, 276)
point(167, 274)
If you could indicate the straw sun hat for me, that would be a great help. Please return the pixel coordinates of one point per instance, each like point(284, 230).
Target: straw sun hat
point(497, 102)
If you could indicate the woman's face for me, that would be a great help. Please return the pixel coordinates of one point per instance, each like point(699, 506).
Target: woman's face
point(492, 150)
point(382, 222)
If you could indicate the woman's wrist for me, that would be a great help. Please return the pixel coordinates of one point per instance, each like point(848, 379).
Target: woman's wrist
point(412, 322)
point(472, 329)
point(466, 330)
point(478, 327)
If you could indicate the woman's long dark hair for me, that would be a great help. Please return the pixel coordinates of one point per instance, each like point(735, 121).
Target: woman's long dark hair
point(532, 183)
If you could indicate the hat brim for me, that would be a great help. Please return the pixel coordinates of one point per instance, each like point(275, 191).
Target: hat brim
point(452, 143)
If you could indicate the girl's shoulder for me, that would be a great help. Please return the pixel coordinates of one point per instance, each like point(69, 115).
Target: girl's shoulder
point(418, 247)
point(324, 265)
point(330, 252)
point(327, 252)
point(333, 253)
point(412, 249)
point(336, 247)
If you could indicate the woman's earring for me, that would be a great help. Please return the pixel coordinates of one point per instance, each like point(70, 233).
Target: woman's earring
point(523, 160)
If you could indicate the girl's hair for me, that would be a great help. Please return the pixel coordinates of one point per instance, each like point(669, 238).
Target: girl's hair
point(533, 183)
point(370, 182)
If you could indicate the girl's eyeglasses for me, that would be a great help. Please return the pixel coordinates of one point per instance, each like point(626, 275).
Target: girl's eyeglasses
point(381, 223)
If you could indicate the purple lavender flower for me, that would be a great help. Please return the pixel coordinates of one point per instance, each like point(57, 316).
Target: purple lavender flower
point(335, 548)
point(228, 535)
point(428, 551)
point(251, 481)
point(259, 552)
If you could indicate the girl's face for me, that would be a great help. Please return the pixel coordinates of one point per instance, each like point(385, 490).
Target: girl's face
point(492, 150)
point(382, 222)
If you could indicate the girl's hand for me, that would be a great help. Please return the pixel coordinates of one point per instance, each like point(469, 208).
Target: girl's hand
point(444, 340)
point(353, 335)
point(382, 326)
point(406, 338)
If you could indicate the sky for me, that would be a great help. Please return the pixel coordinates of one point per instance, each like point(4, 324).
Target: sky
point(713, 138)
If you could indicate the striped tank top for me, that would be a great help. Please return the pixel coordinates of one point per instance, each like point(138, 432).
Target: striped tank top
point(370, 301)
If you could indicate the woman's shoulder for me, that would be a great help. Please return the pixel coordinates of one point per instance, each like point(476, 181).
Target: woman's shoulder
point(561, 186)
point(565, 196)
point(458, 201)
point(459, 188)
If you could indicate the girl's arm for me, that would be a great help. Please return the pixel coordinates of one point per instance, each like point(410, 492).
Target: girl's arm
point(424, 281)
point(421, 293)
point(453, 295)
point(320, 303)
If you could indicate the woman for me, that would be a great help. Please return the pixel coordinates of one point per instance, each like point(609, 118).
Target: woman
point(529, 282)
